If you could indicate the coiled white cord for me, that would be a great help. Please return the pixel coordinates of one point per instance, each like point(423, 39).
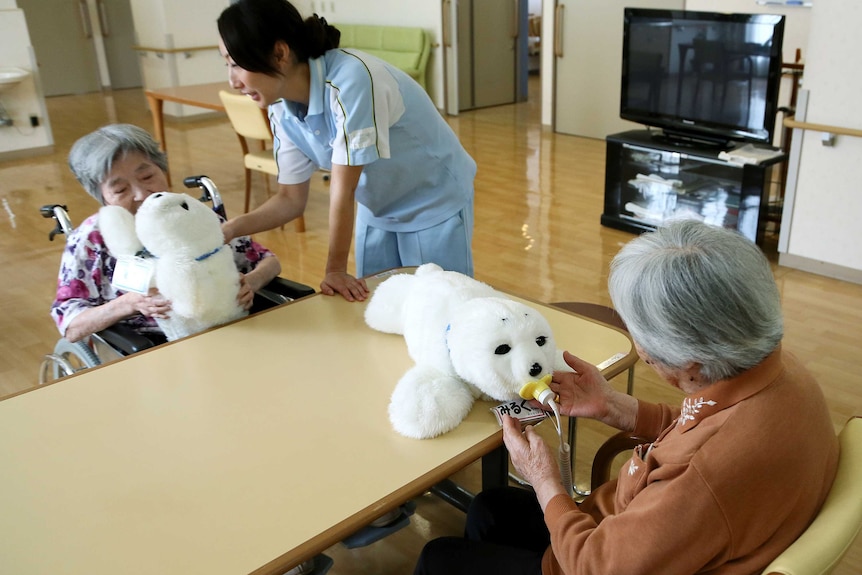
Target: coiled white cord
point(564, 456)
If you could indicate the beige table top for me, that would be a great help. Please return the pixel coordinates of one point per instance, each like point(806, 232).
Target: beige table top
point(243, 449)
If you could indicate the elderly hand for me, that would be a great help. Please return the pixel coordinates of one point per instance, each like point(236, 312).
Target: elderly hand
point(349, 287)
point(533, 459)
point(586, 393)
point(153, 304)
point(245, 296)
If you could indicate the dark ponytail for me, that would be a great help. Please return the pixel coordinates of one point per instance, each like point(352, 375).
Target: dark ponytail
point(250, 29)
point(321, 36)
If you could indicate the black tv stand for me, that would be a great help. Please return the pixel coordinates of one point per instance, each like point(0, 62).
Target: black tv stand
point(682, 139)
point(652, 180)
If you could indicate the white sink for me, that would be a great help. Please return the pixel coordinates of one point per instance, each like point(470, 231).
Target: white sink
point(11, 76)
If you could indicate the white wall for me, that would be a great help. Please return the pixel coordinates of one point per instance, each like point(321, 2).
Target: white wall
point(24, 99)
point(170, 24)
point(825, 233)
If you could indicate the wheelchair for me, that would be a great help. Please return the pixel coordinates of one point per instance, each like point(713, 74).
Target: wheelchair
point(119, 340)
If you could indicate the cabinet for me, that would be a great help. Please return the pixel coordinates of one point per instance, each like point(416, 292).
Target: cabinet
point(651, 180)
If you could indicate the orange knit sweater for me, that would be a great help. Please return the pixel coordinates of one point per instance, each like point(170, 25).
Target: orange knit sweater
point(732, 479)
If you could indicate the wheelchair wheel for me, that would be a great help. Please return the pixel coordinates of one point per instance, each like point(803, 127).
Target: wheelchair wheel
point(68, 358)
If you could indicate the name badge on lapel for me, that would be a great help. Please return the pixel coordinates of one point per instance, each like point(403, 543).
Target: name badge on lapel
point(133, 274)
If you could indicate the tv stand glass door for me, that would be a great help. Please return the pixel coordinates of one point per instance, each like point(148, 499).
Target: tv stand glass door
point(650, 182)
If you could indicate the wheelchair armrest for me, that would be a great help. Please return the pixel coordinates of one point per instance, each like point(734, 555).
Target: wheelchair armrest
point(281, 290)
point(277, 292)
point(125, 340)
point(621, 442)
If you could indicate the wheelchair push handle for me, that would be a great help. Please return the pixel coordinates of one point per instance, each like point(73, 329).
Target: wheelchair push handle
point(60, 214)
point(210, 192)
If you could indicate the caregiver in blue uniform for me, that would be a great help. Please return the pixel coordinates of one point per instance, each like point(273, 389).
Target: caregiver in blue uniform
point(397, 166)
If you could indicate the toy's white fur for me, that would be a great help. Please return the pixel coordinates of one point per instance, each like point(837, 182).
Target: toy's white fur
point(467, 341)
point(193, 267)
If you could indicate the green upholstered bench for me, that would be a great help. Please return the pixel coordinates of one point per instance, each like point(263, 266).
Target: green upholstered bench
point(404, 47)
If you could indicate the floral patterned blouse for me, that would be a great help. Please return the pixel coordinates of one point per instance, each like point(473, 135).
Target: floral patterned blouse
point(86, 269)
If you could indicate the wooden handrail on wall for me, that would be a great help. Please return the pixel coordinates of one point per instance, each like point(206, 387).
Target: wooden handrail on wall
point(791, 122)
point(187, 52)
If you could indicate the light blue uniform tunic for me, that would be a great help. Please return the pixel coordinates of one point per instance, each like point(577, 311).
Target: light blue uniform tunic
point(416, 174)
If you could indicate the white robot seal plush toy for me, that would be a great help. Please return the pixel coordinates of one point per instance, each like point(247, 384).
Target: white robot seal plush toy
point(193, 267)
point(467, 341)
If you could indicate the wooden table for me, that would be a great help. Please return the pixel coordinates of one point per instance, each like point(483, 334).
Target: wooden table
point(243, 449)
point(198, 95)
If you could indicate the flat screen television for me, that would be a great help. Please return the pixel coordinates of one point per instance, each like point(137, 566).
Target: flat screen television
point(702, 76)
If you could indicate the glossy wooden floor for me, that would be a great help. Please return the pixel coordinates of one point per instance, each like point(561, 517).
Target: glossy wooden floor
point(537, 233)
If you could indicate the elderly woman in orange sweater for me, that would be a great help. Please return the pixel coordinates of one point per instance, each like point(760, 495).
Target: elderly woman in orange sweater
point(728, 479)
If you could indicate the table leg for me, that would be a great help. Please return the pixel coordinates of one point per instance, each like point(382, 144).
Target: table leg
point(495, 473)
point(453, 494)
point(495, 468)
point(157, 111)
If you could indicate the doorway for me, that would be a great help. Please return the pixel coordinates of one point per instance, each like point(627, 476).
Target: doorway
point(486, 59)
point(83, 45)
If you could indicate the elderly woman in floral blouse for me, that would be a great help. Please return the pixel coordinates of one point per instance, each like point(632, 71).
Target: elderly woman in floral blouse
point(120, 165)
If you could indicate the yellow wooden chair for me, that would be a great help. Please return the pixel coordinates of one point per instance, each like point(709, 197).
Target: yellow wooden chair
point(250, 122)
point(820, 547)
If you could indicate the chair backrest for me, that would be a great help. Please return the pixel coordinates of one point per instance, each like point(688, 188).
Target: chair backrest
point(406, 48)
point(246, 117)
point(819, 549)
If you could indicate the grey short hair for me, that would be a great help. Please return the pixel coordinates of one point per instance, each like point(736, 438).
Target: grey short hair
point(92, 156)
point(694, 293)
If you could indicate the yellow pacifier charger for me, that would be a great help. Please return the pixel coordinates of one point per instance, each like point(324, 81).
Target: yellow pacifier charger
point(538, 390)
